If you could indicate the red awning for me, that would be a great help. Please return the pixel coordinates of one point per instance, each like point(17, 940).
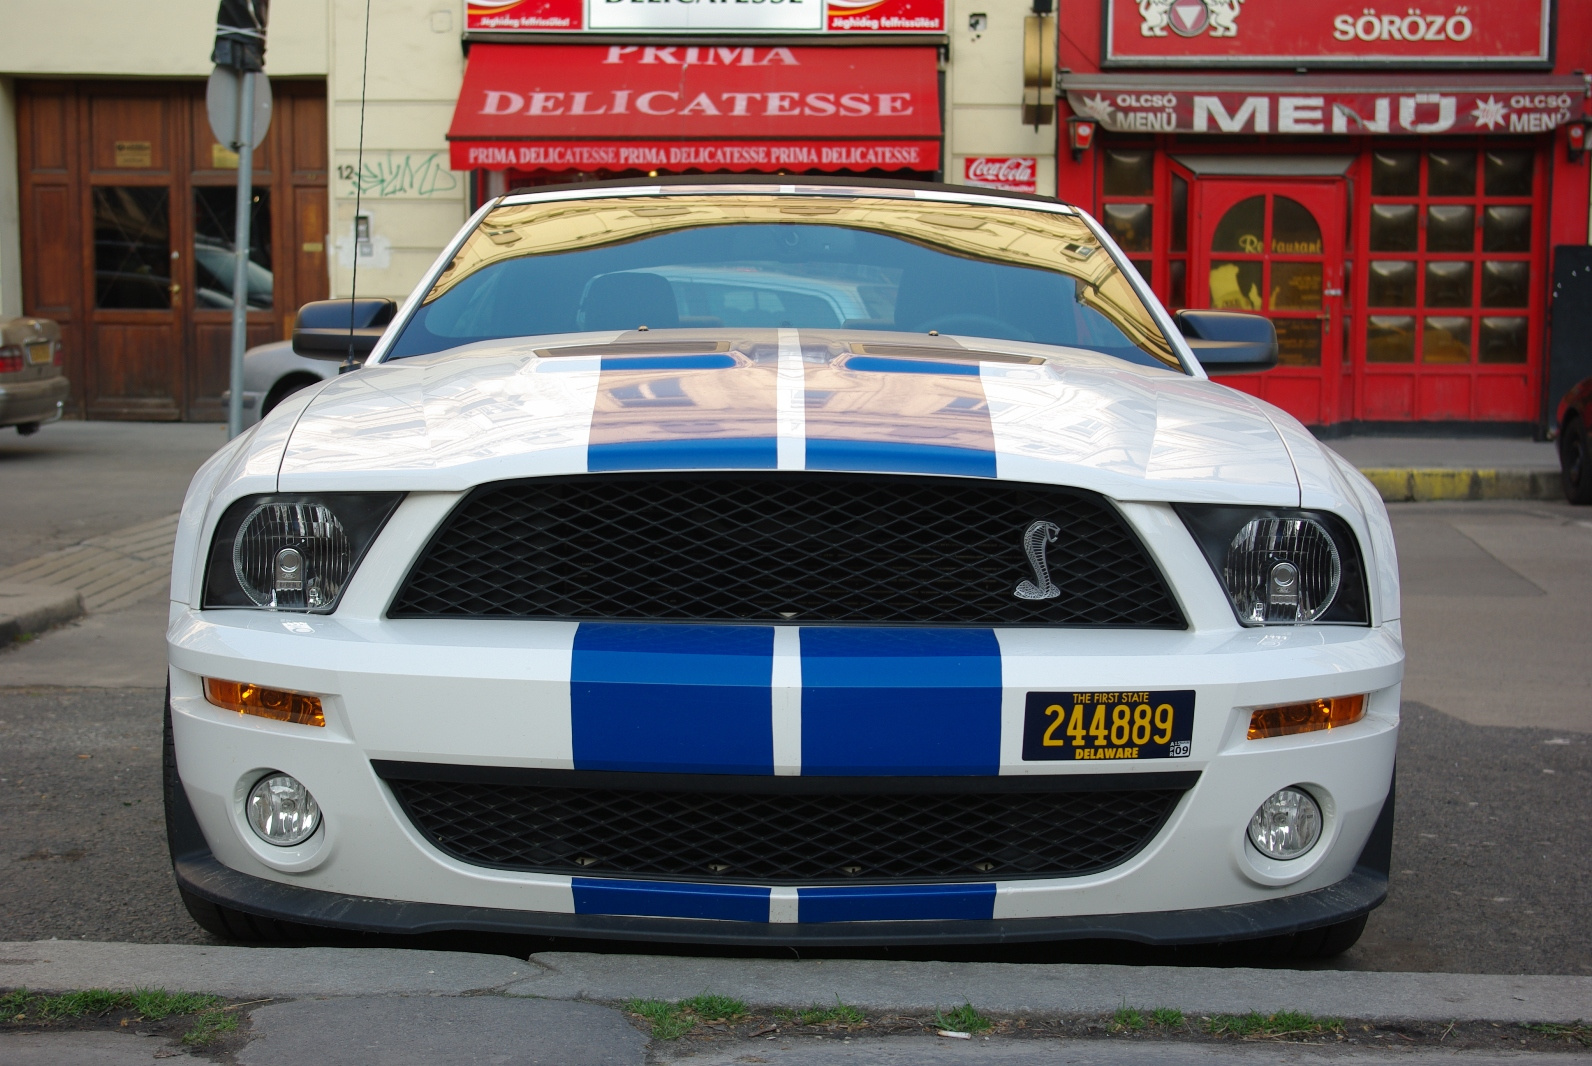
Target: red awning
point(742, 108)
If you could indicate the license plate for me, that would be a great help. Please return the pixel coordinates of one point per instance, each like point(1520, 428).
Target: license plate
point(1086, 726)
point(39, 352)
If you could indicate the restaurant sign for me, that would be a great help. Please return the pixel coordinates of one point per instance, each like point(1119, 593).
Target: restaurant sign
point(1325, 33)
point(706, 16)
point(1224, 109)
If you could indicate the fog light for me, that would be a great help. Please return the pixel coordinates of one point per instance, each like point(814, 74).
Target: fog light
point(281, 810)
point(1289, 718)
point(1287, 825)
point(277, 704)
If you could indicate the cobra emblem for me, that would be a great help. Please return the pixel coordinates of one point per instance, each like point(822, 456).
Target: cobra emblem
point(1035, 538)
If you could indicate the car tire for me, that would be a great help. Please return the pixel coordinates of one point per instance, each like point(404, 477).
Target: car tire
point(28, 429)
point(1575, 462)
point(285, 388)
point(221, 922)
point(1329, 941)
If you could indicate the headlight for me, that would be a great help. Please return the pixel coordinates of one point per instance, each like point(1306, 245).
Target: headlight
point(1282, 567)
point(292, 552)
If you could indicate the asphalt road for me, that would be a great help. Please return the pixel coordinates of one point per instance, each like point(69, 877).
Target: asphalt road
point(1494, 810)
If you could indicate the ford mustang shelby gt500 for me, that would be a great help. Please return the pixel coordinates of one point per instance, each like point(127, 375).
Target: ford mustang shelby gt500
point(784, 564)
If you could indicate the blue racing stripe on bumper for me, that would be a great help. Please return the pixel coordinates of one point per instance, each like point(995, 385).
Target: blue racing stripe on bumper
point(895, 903)
point(890, 457)
point(900, 701)
point(727, 453)
point(671, 899)
point(672, 698)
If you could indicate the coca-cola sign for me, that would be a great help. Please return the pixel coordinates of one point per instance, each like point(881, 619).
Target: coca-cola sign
point(1013, 173)
point(1325, 33)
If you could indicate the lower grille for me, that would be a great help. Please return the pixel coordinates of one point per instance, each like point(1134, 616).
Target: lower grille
point(785, 831)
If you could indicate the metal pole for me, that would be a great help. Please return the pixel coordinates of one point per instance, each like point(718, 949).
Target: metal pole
point(240, 267)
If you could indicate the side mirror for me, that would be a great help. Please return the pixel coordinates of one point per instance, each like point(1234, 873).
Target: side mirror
point(329, 329)
point(1228, 342)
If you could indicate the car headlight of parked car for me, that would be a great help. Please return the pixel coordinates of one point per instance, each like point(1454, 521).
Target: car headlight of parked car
point(292, 552)
point(1282, 567)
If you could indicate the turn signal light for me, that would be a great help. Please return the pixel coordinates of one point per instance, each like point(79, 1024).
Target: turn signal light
point(276, 704)
point(1289, 718)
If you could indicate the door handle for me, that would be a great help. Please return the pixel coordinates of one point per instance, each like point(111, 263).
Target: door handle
point(175, 288)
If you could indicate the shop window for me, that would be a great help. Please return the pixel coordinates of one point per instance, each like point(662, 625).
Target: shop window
point(1298, 341)
point(1450, 228)
point(1506, 228)
point(1295, 286)
point(1236, 286)
point(1505, 284)
point(1392, 283)
point(1503, 340)
point(1396, 174)
point(1451, 173)
point(1130, 226)
point(1507, 174)
point(1242, 228)
point(1178, 283)
point(132, 247)
point(1293, 229)
point(1445, 339)
point(1448, 283)
point(1129, 173)
point(1394, 228)
point(1390, 339)
point(215, 211)
point(1179, 213)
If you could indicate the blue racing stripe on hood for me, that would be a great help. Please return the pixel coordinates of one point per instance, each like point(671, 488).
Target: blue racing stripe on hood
point(670, 899)
point(672, 698)
point(731, 453)
point(900, 701)
point(896, 458)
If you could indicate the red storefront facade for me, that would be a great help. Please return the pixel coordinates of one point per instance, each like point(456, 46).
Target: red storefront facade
point(1387, 189)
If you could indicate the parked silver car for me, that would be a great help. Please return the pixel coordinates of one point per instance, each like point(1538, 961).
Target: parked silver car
point(33, 389)
point(272, 373)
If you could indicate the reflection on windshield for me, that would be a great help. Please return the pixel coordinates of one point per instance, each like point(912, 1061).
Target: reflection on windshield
point(707, 262)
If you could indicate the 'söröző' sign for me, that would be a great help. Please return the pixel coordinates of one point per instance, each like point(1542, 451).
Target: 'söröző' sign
point(1324, 32)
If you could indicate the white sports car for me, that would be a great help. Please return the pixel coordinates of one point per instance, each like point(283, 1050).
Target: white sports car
point(980, 615)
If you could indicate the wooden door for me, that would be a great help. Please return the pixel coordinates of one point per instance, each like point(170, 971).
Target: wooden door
point(127, 218)
point(1275, 248)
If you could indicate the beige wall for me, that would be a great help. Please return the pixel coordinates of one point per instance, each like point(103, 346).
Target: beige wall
point(147, 38)
point(984, 91)
point(414, 201)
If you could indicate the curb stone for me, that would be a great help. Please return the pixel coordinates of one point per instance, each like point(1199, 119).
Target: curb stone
point(894, 986)
point(1404, 485)
point(26, 609)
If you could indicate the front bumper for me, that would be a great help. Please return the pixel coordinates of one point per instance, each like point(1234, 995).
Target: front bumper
point(488, 693)
point(33, 401)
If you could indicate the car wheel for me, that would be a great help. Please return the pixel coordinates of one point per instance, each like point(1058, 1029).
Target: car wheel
point(1575, 462)
point(28, 429)
point(222, 922)
point(285, 388)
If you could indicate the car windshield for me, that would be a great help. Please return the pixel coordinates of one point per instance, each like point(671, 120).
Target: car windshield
point(698, 262)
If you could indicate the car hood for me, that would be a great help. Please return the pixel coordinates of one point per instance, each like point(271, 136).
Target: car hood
point(787, 399)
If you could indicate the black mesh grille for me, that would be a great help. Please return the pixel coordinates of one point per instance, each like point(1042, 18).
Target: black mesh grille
point(778, 837)
point(799, 547)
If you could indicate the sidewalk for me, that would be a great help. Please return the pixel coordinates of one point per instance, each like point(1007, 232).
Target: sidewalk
point(1455, 468)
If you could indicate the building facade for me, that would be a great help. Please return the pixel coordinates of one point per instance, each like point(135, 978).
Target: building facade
point(116, 208)
point(1388, 186)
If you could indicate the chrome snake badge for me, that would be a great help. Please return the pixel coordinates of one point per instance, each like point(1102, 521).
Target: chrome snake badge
point(1035, 538)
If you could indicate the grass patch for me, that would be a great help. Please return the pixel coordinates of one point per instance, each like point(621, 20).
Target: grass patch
point(156, 1003)
point(1255, 1025)
point(1167, 1017)
point(153, 1004)
point(712, 1008)
point(839, 1014)
point(210, 1026)
point(1127, 1020)
point(963, 1019)
point(1577, 1031)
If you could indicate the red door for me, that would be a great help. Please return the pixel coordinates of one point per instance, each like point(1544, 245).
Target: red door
point(1274, 247)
